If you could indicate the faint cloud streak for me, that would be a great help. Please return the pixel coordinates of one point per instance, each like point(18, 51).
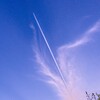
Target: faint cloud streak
point(85, 38)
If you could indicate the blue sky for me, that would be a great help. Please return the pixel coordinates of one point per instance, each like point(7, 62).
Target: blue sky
point(72, 26)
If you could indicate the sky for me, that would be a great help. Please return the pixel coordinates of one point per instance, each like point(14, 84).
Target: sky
point(72, 29)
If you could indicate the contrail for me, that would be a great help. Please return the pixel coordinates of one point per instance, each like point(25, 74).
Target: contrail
point(55, 61)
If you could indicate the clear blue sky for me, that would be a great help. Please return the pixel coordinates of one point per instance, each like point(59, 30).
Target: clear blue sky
point(63, 21)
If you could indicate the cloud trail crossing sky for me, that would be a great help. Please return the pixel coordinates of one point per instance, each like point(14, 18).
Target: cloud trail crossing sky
point(72, 80)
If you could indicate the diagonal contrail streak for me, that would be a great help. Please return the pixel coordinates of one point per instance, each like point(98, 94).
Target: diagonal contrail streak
point(55, 61)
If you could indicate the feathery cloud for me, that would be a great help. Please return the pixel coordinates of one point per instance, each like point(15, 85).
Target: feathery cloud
point(73, 91)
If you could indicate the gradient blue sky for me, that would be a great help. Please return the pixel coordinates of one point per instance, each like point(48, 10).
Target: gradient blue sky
point(63, 21)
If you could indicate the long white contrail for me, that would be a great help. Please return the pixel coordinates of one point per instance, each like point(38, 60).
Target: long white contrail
point(55, 61)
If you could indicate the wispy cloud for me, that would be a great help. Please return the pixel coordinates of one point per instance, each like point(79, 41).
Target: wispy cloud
point(73, 90)
point(56, 80)
point(85, 38)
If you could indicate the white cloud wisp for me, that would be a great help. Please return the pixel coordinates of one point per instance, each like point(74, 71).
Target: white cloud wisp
point(85, 38)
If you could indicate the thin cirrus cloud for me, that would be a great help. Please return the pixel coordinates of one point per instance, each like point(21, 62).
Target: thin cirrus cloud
point(85, 38)
point(74, 90)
